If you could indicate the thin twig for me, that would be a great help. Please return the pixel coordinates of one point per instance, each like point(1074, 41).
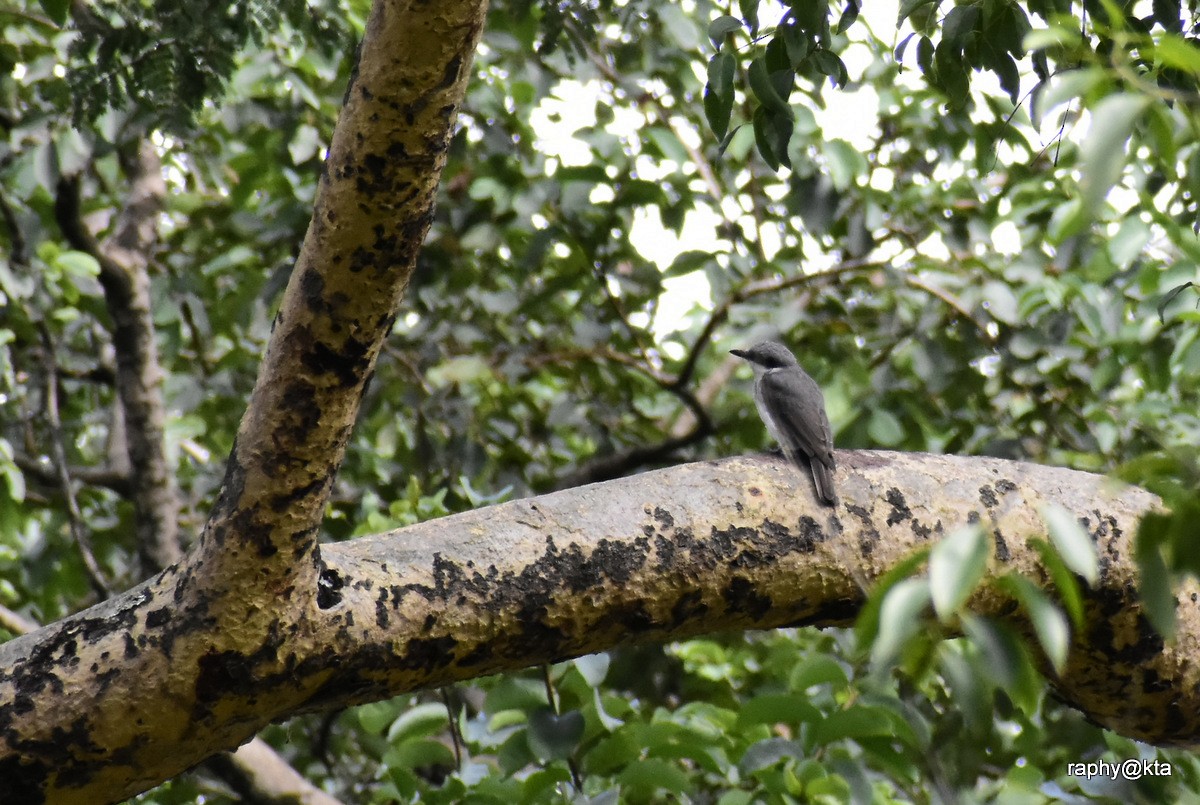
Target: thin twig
point(59, 453)
point(551, 694)
point(453, 721)
point(15, 622)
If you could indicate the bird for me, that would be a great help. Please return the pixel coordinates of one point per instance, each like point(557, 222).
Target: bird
point(792, 407)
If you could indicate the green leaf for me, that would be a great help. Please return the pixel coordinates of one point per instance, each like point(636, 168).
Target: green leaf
point(817, 669)
point(956, 565)
point(1065, 582)
point(77, 264)
point(721, 27)
point(884, 428)
point(856, 721)
point(868, 624)
point(419, 753)
point(772, 133)
point(849, 15)
point(828, 63)
point(749, 9)
point(593, 667)
point(907, 7)
point(959, 24)
point(1177, 52)
point(376, 716)
point(1049, 622)
point(845, 162)
point(56, 10)
point(764, 89)
point(1072, 542)
point(899, 619)
point(420, 721)
point(1004, 660)
point(1103, 152)
point(653, 774)
point(718, 94)
point(779, 708)
point(553, 736)
point(1154, 576)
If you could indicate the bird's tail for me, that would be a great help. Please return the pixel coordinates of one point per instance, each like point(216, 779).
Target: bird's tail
point(823, 479)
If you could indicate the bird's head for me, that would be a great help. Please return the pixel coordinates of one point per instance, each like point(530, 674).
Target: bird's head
point(768, 355)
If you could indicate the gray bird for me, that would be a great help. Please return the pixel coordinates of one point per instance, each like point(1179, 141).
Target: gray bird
point(793, 409)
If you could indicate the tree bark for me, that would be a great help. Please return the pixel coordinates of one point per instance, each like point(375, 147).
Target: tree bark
point(173, 670)
point(161, 657)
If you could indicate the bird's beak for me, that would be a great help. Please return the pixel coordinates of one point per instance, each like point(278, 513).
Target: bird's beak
point(739, 353)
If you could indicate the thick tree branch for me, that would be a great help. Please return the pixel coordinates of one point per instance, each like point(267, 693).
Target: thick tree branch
point(735, 544)
point(255, 577)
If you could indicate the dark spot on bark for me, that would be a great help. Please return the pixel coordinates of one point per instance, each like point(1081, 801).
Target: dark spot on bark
point(754, 491)
point(157, 617)
point(843, 610)
point(987, 496)
point(648, 530)
point(451, 73)
point(1153, 683)
point(741, 597)
point(427, 654)
point(631, 617)
point(664, 551)
point(131, 648)
point(381, 614)
point(430, 622)
point(664, 518)
point(232, 487)
point(1003, 554)
point(811, 535)
point(222, 673)
point(973, 517)
point(869, 535)
point(375, 164)
point(619, 561)
point(302, 413)
point(347, 364)
point(481, 654)
point(329, 587)
point(536, 637)
point(312, 287)
point(255, 535)
point(920, 530)
point(690, 605)
point(25, 779)
point(1005, 486)
point(900, 511)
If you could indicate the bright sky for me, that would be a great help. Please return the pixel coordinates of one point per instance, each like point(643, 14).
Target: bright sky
point(851, 115)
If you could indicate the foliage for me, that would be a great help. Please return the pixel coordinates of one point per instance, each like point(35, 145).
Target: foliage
point(975, 267)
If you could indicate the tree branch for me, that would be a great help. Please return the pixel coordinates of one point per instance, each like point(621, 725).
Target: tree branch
point(694, 549)
point(79, 532)
point(261, 776)
point(124, 261)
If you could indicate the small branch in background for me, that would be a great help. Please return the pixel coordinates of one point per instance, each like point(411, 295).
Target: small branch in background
point(59, 454)
point(262, 777)
point(552, 696)
point(47, 474)
point(951, 301)
point(124, 260)
point(15, 622)
point(17, 247)
point(453, 721)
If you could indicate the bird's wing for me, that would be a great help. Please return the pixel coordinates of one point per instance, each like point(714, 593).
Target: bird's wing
point(798, 410)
